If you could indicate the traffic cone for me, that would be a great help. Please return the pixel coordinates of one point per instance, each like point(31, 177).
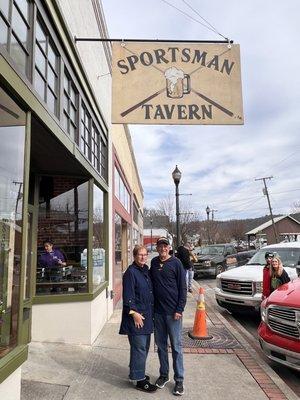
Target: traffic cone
point(200, 330)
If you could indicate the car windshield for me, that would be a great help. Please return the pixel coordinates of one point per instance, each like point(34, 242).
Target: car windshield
point(197, 250)
point(212, 250)
point(290, 257)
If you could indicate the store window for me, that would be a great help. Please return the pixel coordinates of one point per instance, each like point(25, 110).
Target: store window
point(121, 191)
point(70, 106)
point(12, 136)
point(85, 132)
point(95, 148)
point(103, 161)
point(46, 67)
point(62, 223)
point(118, 240)
point(14, 31)
point(98, 238)
point(135, 237)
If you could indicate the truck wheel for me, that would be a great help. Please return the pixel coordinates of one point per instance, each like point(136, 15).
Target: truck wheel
point(219, 269)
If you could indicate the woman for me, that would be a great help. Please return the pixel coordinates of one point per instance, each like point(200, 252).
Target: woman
point(276, 275)
point(137, 316)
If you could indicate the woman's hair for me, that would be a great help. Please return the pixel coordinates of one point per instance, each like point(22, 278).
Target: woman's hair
point(137, 248)
point(280, 269)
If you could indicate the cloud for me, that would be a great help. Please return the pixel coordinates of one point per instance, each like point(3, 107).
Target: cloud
point(219, 164)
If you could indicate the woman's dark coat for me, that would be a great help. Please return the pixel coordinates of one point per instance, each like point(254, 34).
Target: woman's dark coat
point(137, 296)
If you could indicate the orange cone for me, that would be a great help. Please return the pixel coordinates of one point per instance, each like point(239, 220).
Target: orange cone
point(200, 330)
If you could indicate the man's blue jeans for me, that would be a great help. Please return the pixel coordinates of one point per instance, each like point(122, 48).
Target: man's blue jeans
point(139, 347)
point(189, 278)
point(164, 326)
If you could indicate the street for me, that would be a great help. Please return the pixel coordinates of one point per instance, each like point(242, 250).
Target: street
point(250, 323)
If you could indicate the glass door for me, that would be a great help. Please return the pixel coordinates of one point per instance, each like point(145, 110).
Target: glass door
point(12, 136)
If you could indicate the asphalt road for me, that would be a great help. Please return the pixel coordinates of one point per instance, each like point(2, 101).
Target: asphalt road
point(250, 323)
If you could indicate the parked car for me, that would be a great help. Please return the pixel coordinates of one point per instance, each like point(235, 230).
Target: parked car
point(211, 259)
point(241, 288)
point(238, 259)
point(279, 330)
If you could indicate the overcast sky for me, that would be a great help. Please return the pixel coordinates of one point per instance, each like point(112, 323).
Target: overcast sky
point(219, 163)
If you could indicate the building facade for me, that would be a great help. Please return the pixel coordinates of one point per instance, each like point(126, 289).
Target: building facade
point(57, 180)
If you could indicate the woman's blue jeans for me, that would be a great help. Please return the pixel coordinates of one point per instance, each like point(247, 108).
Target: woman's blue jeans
point(139, 348)
point(166, 326)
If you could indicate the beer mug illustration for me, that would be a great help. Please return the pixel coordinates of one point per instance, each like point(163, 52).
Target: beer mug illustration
point(177, 83)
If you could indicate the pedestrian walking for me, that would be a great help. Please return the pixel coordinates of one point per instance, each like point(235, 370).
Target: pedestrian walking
point(274, 275)
point(169, 286)
point(184, 255)
point(137, 317)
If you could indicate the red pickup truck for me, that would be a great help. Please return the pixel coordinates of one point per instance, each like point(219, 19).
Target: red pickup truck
point(279, 330)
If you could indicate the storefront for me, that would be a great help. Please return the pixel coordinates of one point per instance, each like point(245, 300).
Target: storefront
point(54, 162)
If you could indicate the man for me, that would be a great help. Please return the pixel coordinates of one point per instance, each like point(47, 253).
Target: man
point(169, 287)
point(184, 255)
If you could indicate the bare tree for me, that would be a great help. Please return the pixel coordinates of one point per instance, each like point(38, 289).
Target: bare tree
point(166, 208)
point(295, 207)
point(237, 229)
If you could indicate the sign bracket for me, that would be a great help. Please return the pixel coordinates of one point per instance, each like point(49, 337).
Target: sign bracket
point(90, 39)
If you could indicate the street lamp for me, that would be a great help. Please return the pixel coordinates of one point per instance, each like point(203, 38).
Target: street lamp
point(208, 210)
point(151, 222)
point(176, 175)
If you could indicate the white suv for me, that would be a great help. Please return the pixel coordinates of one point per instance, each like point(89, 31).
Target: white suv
point(241, 288)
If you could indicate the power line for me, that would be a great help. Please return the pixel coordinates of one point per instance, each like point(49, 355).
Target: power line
point(196, 12)
point(194, 19)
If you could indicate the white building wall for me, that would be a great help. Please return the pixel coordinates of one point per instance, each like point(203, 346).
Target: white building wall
point(10, 389)
point(73, 323)
point(81, 19)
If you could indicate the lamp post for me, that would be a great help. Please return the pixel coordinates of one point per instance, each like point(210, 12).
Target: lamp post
point(151, 222)
point(176, 175)
point(208, 210)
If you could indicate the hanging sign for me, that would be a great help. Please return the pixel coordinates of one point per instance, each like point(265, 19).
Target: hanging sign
point(176, 84)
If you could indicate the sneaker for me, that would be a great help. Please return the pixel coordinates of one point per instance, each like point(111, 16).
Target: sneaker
point(178, 389)
point(162, 381)
point(145, 386)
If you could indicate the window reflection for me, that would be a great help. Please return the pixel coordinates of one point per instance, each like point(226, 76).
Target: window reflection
point(98, 238)
point(12, 135)
point(63, 220)
point(14, 31)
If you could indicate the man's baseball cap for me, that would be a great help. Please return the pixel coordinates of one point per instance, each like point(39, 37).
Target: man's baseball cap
point(162, 240)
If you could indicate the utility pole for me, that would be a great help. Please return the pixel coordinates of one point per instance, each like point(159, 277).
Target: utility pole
point(19, 196)
point(266, 193)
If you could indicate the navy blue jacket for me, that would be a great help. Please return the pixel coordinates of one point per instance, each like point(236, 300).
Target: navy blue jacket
point(137, 296)
point(169, 285)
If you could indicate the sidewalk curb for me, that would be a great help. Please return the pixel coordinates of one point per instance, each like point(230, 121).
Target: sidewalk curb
point(284, 388)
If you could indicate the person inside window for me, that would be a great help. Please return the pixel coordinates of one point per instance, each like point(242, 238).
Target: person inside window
point(51, 257)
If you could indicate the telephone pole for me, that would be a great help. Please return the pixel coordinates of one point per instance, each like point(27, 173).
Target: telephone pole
point(266, 193)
